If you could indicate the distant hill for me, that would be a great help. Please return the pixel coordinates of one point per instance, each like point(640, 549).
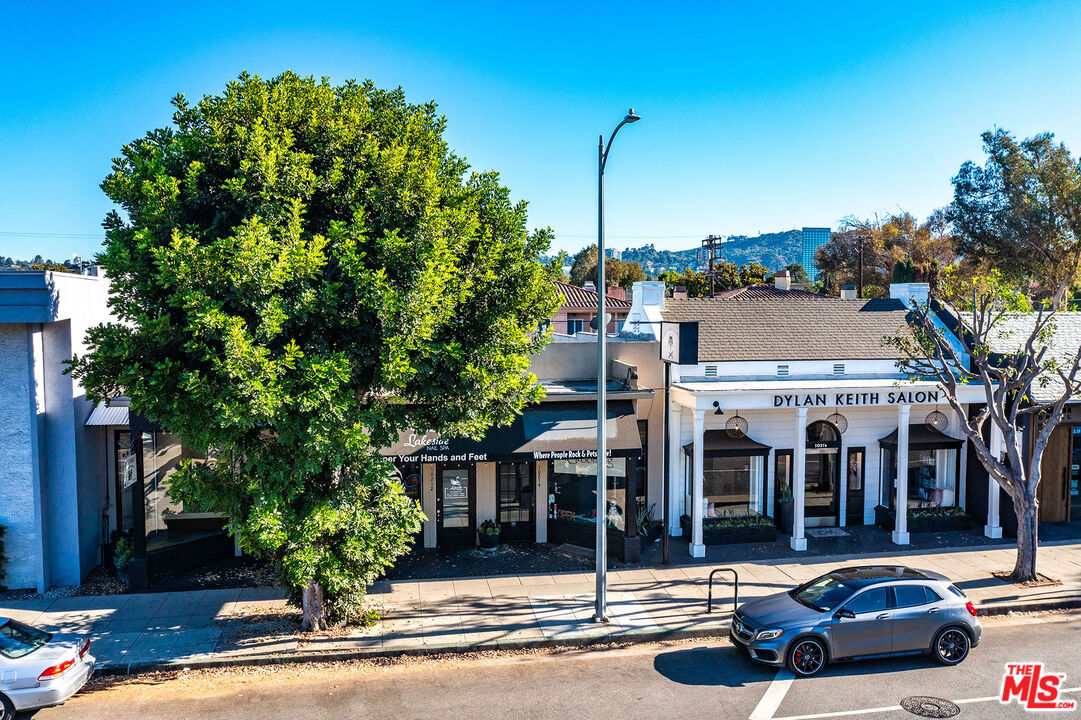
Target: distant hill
point(774, 250)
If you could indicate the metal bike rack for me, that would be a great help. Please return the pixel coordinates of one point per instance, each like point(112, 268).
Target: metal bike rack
point(735, 589)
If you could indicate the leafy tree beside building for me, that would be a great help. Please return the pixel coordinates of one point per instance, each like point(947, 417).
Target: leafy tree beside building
point(302, 271)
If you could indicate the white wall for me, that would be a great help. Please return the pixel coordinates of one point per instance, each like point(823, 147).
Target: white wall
point(52, 468)
point(796, 368)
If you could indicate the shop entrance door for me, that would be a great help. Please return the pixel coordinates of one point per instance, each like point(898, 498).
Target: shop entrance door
point(455, 502)
point(1075, 472)
point(515, 502)
point(1055, 471)
point(854, 487)
point(820, 490)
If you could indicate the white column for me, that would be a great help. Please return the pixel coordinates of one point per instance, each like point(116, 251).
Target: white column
point(842, 484)
point(771, 483)
point(541, 501)
point(994, 491)
point(427, 502)
point(962, 474)
point(799, 480)
point(675, 470)
point(698, 549)
point(900, 528)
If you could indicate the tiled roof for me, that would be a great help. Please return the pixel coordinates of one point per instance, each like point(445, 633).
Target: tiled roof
point(777, 325)
point(576, 297)
point(1012, 331)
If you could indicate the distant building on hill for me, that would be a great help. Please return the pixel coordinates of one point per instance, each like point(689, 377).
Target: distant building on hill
point(813, 238)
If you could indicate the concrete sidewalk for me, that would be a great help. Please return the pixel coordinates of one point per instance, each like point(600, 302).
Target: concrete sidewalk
point(140, 631)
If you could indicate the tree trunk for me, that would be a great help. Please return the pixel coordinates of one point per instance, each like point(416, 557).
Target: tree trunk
point(1027, 540)
point(315, 616)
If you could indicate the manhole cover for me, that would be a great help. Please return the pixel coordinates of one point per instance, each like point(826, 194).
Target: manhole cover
point(930, 707)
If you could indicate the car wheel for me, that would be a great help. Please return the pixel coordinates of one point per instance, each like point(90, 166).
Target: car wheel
point(951, 646)
point(7, 710)
point(806, 657)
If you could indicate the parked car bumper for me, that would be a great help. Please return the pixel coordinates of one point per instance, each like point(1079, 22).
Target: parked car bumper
point(767, 652)
point(53, 692)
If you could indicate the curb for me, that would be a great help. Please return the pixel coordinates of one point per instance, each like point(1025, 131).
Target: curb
point(628, 638)
point(632, 637)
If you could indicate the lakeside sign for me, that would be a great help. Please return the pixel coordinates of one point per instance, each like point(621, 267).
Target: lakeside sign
point(847, 399)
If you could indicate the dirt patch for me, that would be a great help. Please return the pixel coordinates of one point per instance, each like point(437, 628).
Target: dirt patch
point(1040, 581)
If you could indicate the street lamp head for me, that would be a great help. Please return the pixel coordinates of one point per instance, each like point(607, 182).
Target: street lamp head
point(631, 117)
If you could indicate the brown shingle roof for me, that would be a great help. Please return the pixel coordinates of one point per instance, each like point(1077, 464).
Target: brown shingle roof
point(764, 292)
point(576, 297)
point(793, 325)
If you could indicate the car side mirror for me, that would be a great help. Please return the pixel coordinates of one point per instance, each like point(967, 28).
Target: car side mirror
point(844, 613)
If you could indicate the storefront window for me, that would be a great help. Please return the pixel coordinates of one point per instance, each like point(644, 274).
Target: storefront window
point(572, 491)
point(732, 486)
point(408, 474)
point(932, 478)
point(163, 454)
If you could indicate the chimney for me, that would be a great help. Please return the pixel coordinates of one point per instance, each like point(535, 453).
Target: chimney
point(781, 280)
point(848, 291)
point(590, 285)
point(617, 293)
point(679, 292)
point(910, 293)
point(644, 318)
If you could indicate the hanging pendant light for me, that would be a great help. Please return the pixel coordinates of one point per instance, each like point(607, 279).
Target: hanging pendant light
point(737, 426)
point(839, 421)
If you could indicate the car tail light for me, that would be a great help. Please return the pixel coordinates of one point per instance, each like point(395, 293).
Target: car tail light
point(83, 650)
point(56, 670)
point(971, 609)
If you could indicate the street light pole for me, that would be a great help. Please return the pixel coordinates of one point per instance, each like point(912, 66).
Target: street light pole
point(600, 613)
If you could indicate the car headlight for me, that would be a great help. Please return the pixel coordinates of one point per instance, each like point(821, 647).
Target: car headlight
point(768, 634)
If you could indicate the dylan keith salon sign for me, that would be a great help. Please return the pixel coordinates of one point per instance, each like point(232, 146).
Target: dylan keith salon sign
point(846, 399)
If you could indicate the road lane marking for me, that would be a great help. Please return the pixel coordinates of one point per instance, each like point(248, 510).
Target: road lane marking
point(775, 693)
point(890, 708)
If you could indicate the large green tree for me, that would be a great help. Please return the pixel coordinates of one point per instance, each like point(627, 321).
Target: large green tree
point(1020, 212)
point(301, 271)
point(925, 247)
point(617, 273)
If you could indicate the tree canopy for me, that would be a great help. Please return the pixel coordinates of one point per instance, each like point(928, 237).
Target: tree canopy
point(924, 247)
point(617, 272)
point(302, 271)
point(1021, 211)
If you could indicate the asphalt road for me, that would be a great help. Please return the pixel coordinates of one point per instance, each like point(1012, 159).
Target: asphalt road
point(678, 680)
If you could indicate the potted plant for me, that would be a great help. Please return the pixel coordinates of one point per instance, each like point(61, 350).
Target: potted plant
point(488, 533)
point(123, 551)
point(785, 510)
point(646, 524)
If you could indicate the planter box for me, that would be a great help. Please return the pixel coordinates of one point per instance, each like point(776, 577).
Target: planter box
point(785, 516)
point(488, 541)
point(623, 548)
point(886, 518)
point(730, 535)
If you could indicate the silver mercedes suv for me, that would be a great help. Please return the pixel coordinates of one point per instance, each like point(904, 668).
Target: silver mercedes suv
point(856, 613)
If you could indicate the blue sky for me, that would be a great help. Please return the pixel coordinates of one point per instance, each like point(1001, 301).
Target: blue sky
point(756, 117)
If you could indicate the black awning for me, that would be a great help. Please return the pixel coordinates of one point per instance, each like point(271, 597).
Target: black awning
point(554, 430)
point(921, 437)
point(719, 443)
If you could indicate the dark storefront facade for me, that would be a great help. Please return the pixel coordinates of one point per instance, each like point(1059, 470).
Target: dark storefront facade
point(535, 477)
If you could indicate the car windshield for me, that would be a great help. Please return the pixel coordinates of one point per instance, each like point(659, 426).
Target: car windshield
point(825, 593)
point(17, 639)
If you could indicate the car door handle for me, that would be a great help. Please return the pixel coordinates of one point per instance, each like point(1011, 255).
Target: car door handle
point(883, 616)
point(932, 610)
